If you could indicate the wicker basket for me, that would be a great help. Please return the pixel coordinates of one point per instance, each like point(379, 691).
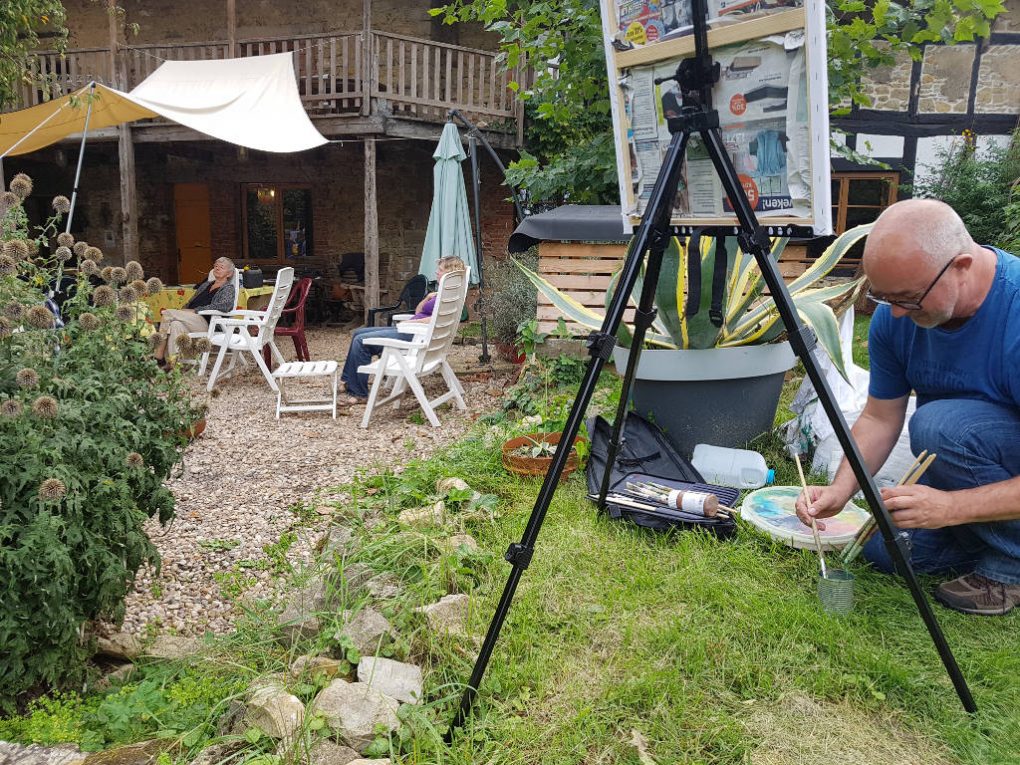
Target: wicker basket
point(536, 466)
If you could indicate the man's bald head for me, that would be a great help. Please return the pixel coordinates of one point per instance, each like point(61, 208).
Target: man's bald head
point(917, 227)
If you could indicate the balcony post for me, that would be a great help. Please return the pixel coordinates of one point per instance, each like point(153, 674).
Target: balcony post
point(371, 230)
point(231, 28)
point(367, 75)
point(125, 148)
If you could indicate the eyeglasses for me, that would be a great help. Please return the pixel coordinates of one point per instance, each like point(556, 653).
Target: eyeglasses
point(911, 305)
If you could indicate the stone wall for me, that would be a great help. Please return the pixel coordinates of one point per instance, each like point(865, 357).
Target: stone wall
point(888, 87)
point(182, 21)
point(998, 88)
point(945, 79)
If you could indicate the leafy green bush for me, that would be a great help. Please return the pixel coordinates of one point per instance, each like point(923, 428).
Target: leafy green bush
point(512, 297)
point(89, 429)
point(980, 187)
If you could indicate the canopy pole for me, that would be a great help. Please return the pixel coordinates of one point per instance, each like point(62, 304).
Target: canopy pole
point(476, 183)
point(81, 156)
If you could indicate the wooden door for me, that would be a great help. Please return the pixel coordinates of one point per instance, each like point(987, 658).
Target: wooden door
point(194, 232)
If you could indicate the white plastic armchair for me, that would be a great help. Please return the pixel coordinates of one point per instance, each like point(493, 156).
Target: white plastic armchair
point(404, 363)
point(234, 334)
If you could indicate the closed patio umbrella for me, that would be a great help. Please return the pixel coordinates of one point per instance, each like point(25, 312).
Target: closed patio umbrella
point(449, 230)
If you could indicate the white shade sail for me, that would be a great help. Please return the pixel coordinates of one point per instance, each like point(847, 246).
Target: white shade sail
point(252, 102)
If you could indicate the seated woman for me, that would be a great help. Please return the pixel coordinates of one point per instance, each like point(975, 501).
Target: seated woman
point(359, 354)
point(216, 294)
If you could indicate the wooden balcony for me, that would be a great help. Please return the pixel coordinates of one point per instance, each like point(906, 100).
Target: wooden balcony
point(407, 78)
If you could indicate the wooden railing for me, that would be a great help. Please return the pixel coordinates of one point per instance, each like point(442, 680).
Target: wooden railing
point(407, 77)
point(422, 79)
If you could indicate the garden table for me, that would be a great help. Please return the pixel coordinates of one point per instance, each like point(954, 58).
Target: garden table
point(176, 296)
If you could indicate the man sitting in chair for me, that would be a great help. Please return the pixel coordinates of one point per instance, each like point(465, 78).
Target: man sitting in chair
point(215, 294)
point(360, 354)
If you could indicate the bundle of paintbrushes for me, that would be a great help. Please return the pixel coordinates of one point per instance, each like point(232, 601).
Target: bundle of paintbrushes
point(694, 502)
point(912, 476)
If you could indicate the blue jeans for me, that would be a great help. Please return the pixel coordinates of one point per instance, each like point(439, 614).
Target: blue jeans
point(977, 443)
point(360, 354)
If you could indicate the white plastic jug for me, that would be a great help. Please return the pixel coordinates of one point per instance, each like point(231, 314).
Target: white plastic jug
point(738, 468)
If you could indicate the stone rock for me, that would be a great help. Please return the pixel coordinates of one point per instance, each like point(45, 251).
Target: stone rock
point(462, 540)
point(326, 752)
point(315, 665)
point(277, 713)
point(449, 615)
point(367, 630)
point(230, 721)
point(119, 645)
point(173, 647)
point(355, 711)
point(122, 674)
point(355, 575)
point(361, 761)
point(218, 753)
point(277, 680)
point(337, 541)
point(142, 753)
point(401, 681)
point(299, 618)
point(444, 485)
point(385, 586)
point(16, 754)
point(433, 515)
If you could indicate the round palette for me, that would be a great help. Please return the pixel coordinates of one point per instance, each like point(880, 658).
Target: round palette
point(773, 510)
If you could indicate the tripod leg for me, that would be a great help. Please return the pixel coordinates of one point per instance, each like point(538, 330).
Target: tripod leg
point(600, 346)
point(755, 240)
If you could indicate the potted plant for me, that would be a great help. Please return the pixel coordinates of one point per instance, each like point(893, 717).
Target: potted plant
point(510, 302)
point(532, 454)
point(704, 382)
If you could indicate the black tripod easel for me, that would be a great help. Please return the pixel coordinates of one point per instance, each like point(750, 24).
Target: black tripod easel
point(696, 77)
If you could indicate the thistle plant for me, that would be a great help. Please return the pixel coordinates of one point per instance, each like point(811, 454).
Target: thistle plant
point(90, 429)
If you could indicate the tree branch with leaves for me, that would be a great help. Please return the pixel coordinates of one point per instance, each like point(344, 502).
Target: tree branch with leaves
point(22, 23)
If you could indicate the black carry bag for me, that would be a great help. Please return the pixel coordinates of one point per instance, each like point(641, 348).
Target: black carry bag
point(646, 455)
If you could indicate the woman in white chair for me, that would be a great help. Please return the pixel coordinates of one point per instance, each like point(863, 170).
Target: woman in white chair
point(360, 354)
point(215, 294)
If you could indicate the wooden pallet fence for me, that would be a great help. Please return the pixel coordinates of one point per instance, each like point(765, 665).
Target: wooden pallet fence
point(583, 271)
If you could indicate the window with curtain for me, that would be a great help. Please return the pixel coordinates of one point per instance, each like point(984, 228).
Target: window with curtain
point(277, 222)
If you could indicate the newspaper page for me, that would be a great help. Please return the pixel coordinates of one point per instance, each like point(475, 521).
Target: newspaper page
point(763, 112)
point(643, 22)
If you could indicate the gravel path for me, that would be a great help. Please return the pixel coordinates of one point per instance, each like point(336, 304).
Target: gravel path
point(241, 476)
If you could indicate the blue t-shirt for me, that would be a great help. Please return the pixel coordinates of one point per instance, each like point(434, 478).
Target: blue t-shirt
point(979, 360)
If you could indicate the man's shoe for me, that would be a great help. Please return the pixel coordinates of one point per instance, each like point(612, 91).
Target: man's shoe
point(976, 594)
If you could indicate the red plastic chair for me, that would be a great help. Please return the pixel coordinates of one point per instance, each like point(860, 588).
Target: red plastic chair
point(295, 312)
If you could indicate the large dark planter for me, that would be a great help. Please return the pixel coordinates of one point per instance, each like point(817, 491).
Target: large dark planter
point(719, 396)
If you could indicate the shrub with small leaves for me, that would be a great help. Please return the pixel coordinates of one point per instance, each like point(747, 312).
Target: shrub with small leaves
point(90, 430)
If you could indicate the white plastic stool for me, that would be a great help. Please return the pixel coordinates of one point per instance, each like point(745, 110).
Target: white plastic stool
point(293, 369)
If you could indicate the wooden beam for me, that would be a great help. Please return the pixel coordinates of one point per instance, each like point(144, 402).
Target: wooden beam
point(371, 230)
point(125, 147)
point(367, 73)
point(232, 28)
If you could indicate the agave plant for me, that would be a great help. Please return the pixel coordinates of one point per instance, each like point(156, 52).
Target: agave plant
point(748, 317)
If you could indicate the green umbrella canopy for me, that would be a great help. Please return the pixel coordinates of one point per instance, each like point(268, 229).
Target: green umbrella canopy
point(449, 231)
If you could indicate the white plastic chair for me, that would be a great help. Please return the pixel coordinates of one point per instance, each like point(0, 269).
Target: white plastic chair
point(232, 334)
point(404, 363)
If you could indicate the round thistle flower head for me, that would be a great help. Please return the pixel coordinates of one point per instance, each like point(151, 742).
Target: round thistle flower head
point(185, 345)
point(106, 273)
point(118, 275)
point(88, 267)
point(65, 239)
point(21, 185)
point(138, 285)
point(94, 253)
point(63, 254)
point(126, 313)
point(134, 270)
point(33, 247)
point(27, 378)
point(154, 286)
point(52, 489)
point(155, 339)
point(134, 459)
point(9, 199)
point(79, 249)
point(201, 344)
point(39, 316)
point(62, 205)
point(45, 407)
point(18, 249)
point(14, 309)
point(88, 321)
point(5, 327)
point(11, 407)
point(127, 294)
point(103, 295)
point(8, 265)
